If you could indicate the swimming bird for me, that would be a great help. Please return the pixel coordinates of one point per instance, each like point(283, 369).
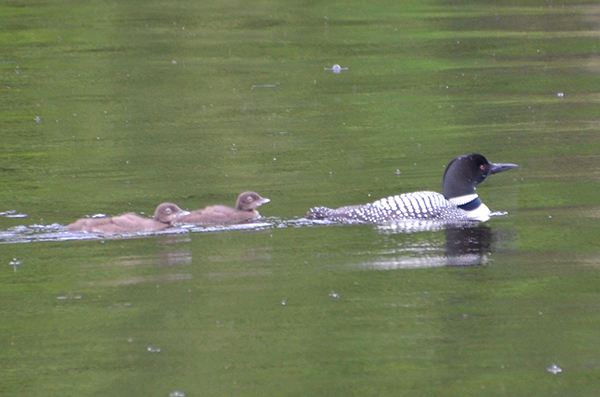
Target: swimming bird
point(245, 210)
point(164, 216)
point(459, 201)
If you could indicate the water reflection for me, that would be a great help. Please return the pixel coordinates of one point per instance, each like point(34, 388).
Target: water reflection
point(466, 244)
point(164, 278)
point(182, 257)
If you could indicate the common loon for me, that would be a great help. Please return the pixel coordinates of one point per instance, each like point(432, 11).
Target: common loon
point(164, 216)
point(459, 202)
point(244, 211)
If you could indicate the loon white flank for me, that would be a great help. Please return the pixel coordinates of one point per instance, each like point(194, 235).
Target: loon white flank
point(459, 202)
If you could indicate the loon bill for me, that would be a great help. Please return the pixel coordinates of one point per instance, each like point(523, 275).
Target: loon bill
point(459, 201)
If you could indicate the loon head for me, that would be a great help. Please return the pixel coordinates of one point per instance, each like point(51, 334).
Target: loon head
point(464, 173)
point(168, 212)
point(249, 201)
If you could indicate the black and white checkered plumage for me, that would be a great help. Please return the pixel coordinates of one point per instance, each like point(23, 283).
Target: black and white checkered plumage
point(416, 205)
point(459, 202)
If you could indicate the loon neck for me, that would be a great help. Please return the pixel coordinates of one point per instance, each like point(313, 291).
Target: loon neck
point(468, 202)
point(473, 205)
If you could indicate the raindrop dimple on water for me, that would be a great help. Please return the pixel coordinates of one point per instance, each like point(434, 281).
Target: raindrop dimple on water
point(177, 393)
point(153, 349)
point(15, 263)
point(554, 369)
point(337, 69)
point(334, 294)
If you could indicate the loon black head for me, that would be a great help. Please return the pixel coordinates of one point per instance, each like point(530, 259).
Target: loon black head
point(464, 173)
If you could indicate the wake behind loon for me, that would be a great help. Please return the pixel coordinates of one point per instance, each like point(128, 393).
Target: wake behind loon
point(459, 202)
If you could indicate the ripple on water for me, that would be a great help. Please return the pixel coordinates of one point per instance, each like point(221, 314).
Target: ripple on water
point(58, 232)
point(12, 214)
point(68, 297)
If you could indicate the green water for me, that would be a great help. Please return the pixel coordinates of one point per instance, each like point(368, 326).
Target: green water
point(110, 107)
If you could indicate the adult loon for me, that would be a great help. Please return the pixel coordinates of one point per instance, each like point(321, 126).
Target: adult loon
point(164, 216)
point(460, 202)
point(244, 211)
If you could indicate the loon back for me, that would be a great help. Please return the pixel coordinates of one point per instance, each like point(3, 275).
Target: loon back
point(460, 202)
point(416, 205)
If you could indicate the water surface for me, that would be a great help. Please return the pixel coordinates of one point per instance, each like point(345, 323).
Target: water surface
point(113, 107)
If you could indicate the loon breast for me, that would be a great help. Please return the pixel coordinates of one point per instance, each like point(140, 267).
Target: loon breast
point(416, 205)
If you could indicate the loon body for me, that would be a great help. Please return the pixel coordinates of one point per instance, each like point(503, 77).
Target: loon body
point(459, 202)
point(244, 211)
point(165, 214)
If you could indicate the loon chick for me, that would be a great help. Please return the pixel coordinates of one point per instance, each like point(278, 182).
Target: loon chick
point(244, 211)
point(164, 216)
point(459, 202)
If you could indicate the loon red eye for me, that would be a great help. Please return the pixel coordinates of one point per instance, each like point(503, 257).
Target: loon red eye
point(482, 167)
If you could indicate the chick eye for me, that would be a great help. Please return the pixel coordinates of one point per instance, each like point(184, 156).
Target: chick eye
point(250, 199)
point(168, 211)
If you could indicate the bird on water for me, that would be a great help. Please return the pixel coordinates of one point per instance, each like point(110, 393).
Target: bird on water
point(459, 201)
point(244, 211)
point(164, 216)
